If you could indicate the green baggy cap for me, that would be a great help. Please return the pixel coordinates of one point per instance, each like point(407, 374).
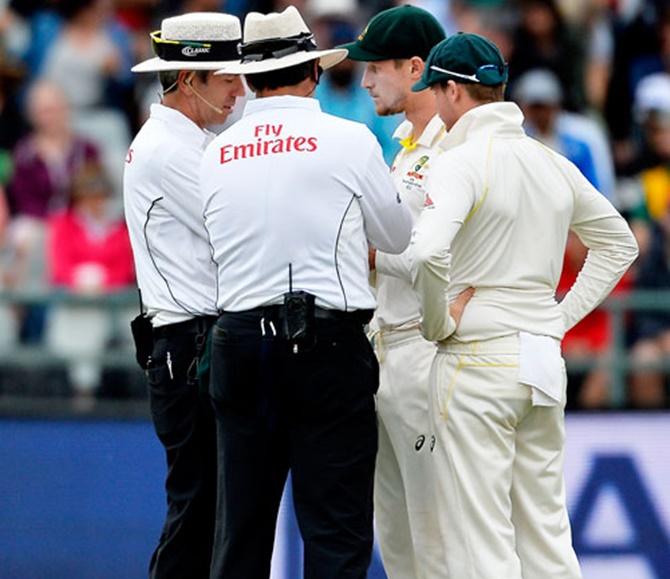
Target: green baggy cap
point(464, 58)
point(401, 32)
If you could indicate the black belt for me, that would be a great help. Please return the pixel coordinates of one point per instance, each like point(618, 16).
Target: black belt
point(193, 326)
point(361, 317)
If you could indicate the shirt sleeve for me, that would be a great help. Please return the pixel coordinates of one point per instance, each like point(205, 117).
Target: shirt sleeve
point(399, 266)
point(388, 223)
point(611, 249)
point(181, 186)
point(452, 194)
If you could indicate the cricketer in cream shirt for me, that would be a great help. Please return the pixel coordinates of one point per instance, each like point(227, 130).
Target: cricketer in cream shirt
point(490, 225)
point(398, 305)
point(499, 206)
point(406, 520)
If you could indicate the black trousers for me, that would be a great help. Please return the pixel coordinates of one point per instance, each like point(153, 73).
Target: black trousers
point(312, 413)
point(184, 422)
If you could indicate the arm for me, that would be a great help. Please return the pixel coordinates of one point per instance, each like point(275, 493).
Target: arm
point(453, 199)
point(611, 250)
point(388, 223)
point(180, 182)
point(399, 266)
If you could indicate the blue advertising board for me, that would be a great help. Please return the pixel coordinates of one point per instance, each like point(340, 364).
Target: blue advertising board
point(83, 499)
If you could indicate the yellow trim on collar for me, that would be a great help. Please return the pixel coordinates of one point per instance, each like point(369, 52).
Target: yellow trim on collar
point(409, 143)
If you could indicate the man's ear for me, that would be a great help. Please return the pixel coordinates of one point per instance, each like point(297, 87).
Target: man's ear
point(317, 71)
point(184, 81)
point(454, 90)
point(417, 66)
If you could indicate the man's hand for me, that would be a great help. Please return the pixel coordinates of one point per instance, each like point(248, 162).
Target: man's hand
point(372, 258)
point(458, 305)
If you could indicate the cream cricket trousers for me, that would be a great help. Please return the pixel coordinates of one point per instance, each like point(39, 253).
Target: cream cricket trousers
point(406, 519)
point(499, 467)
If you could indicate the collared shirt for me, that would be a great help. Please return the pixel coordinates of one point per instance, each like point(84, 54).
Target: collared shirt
point(397, 304)
point(291, 185)
point(173, 260)
point(501, 205)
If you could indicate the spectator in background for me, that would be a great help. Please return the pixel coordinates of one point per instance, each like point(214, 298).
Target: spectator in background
point(85, 57)
point(575, 136)
point(651, 224)
point(545, 40)
point(493, 19)
point(642, 47)
point(44, 163)
point(90, 60)
point(339, 91)
point(88, 253)
point(46, 159)
point(599, 51)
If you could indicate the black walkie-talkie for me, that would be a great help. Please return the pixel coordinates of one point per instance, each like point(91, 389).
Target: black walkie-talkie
point(298, 324)
point(142, 336)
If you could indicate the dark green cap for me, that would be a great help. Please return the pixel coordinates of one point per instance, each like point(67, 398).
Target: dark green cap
point(401, 32)
point(464, 58)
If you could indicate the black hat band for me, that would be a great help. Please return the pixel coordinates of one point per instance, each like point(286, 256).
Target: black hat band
point(196, 51)
point(276, 47)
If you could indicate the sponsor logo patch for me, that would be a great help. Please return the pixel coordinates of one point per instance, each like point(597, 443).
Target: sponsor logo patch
point(191, 51)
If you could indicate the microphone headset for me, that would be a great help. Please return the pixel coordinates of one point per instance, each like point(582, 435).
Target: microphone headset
point(189, 83)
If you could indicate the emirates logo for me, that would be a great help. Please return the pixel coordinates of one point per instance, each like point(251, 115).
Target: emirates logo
point(192, 51)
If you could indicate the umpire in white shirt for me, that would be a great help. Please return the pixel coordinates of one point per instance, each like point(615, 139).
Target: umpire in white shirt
point(175, 272)
point(499, 206)
point(292, 197)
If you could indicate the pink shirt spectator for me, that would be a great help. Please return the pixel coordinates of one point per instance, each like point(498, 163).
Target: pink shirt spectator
point(76, 250)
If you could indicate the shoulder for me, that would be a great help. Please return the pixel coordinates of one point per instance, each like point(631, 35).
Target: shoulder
point(24, 151)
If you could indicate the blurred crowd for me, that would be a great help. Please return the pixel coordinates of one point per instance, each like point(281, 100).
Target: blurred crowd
point(592, 77)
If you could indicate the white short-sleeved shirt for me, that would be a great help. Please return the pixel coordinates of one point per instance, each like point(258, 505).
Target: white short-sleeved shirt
point(291, 185)
point(163, 208)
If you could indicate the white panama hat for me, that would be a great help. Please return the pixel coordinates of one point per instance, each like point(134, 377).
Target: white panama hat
point(279, 40)
point(194, 41)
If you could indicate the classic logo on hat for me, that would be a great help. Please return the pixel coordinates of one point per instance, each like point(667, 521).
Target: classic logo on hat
point(194, 41)
point(194, 51)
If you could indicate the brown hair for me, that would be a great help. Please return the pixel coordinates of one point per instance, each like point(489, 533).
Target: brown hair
point(486, 94)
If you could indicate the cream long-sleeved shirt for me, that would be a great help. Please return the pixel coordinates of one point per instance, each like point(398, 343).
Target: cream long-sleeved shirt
point(499, 206)
point(397, 304)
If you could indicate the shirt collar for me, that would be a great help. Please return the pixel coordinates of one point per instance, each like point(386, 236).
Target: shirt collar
point(501, 118)
point(179, 122)
point(280, 102)
point(433, 132)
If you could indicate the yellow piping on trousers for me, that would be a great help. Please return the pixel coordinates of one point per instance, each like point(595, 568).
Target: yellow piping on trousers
point(444, 411)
